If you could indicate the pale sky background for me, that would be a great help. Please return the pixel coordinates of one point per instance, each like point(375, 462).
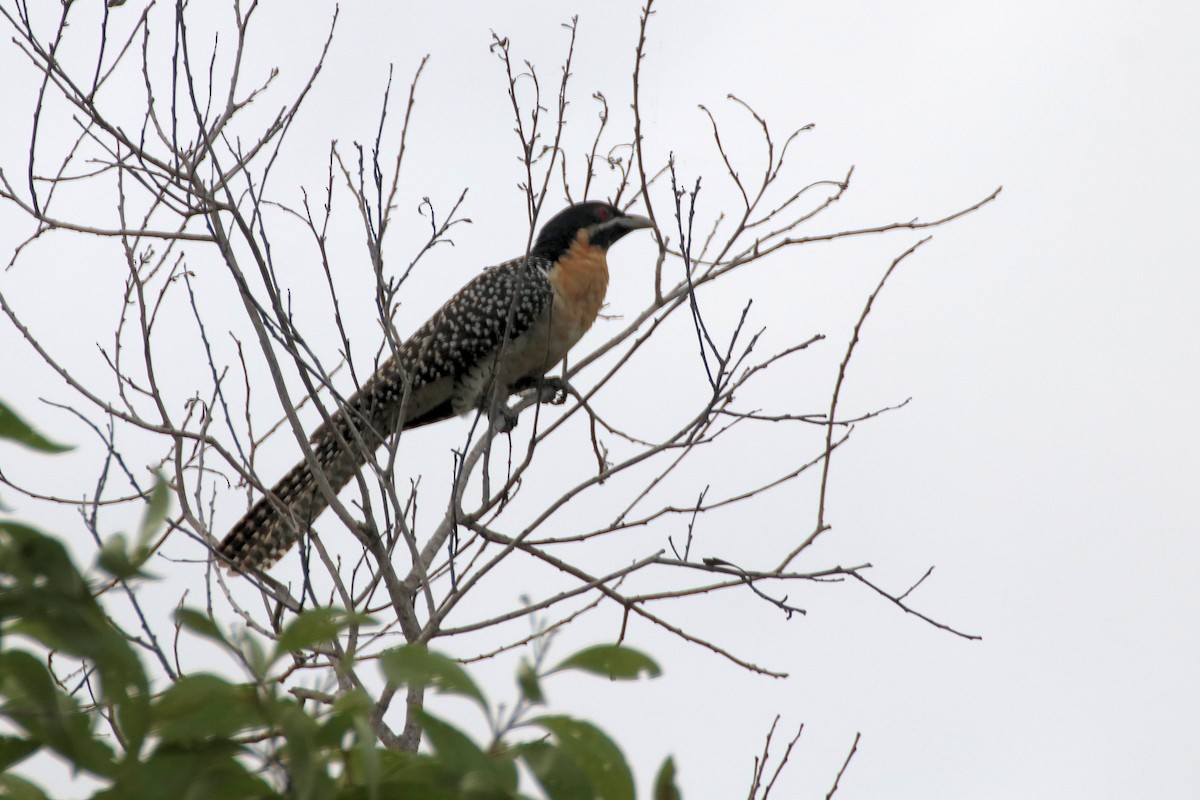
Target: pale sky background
point(1048, 462)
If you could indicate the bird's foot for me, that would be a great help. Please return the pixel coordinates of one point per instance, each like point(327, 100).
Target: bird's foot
point(553, 390)
point(549, 389)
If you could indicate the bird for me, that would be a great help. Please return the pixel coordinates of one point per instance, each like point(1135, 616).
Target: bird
point(497, 336)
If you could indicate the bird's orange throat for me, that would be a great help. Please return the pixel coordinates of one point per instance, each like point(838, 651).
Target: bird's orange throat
point(580, 282)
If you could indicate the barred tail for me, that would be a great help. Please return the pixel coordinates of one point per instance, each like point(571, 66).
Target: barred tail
point(341, 446)
point(279, 519)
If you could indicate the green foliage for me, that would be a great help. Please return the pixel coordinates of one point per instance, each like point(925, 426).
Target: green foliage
point(664, 782)
point(204, 736)
point(417, 667)
point(313, 627)
point(188, 741)
point(594, 753)
point(15, 429)
point(570, 758)
point(611, 661)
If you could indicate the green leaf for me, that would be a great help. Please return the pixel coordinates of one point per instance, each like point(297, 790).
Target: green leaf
point(133, 715)
point(117, 557)
point(48, 715)
point(155, 514)
point(313, 627)
point(46, 600)
point(307, 773)
point(15, 748)
point(595, 753)
point(417, 666)
point(16, 788)
point(405, 788)
point(479, 774)
point(402, 775)
point(198, 771)
point(559, 775)
point(527, 681)
point(204, 707)
point(28, 685)
point(664, 782)
point(256, 658)
point(453, 746)
point(15, 429)
point(34, 558)
point(611, 661)
point(368, 754)
point(201, 624)
point(349, 709)
point(116, 560)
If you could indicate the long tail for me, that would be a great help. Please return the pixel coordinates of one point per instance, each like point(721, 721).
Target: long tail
point(279, 519)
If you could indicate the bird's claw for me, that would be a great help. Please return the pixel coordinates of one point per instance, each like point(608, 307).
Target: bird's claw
point(553, 391)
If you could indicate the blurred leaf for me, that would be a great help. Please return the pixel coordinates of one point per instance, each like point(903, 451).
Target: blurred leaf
point(202, 771)
point(48, 601)
point(402, 776)
point(559, 775)
point(15, 788)
point(348, 709)
point(403, 788)
point(155, 514)
point(116, 560)
point(201, 624)
point(13, 749)
point(417, 666)
point(31, 557)
point(527, 681)
point(62, 624)
point(664, 782)
point(50, 717)
point(204, 707)
point(256, 659)
point(479, 774)
point(15, 429)
point(28, 683)
point(368, 754)
point(611, 661)
point(453, 746)
point(133, 715)
point(352, 712)
point(121, 560)
point(306, 773)
point(595, 753)
point(311, 628)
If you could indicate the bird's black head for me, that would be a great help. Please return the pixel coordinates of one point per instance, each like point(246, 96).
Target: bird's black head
point(602, 223)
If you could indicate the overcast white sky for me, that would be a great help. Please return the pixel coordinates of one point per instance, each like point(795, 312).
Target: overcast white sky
point(1048, 463)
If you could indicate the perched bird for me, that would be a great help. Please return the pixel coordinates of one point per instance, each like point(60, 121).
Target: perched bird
point(498, 335)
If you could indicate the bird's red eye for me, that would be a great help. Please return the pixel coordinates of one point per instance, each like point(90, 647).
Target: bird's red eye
point(603, 213)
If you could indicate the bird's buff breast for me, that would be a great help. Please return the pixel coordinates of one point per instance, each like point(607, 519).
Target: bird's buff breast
point(579, 280)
